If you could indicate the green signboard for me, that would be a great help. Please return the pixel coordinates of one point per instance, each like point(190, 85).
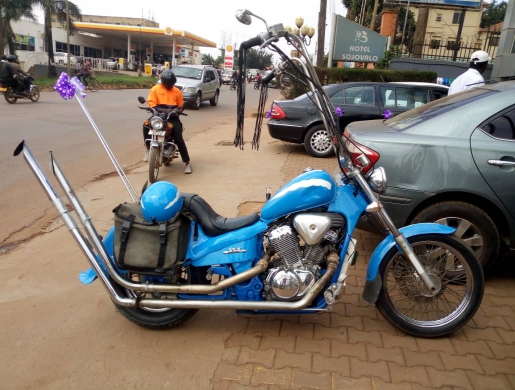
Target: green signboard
point(355, 43)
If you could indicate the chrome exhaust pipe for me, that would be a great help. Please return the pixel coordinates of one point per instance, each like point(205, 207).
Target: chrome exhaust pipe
point(332, 265)
point(71, 225)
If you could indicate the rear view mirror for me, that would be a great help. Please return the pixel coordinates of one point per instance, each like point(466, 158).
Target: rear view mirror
point(141, 99)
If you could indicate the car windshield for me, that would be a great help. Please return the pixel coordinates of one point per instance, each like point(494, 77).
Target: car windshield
point(438, 107)
point(187, 72)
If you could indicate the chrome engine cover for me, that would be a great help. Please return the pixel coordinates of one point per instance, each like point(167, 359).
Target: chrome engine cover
point(288, 284)
point(312, 227)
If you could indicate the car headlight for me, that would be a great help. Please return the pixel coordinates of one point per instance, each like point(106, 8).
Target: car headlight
point(189, 90)
point(377, 180)
point(156, 123)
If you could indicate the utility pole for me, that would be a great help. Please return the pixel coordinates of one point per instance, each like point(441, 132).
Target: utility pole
point(67, 38)
point(321, 32)
point(374, 12)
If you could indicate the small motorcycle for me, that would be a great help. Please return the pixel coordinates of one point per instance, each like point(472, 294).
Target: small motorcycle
point(294, 256)
point(162, 149)
point(257, 84)
point(232, 84)
point(11, 97)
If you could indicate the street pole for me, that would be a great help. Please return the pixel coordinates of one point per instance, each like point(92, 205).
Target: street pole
point(404, 27)
point(321, 33)
point(67, 38)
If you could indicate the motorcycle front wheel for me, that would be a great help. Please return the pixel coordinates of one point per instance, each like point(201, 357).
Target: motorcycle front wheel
point(407, 304)
point(153, 164)
point(161, 318)
point(34, 93)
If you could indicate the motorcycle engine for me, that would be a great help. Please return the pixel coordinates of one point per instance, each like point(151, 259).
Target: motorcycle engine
point(299, 263)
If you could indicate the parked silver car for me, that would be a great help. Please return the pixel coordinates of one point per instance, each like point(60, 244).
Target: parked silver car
point(197, 83)
point(450, 161)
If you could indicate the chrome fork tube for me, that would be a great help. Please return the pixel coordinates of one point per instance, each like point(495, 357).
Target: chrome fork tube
point(72, 226)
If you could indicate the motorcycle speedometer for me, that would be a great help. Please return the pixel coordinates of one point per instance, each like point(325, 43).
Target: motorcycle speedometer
point(156, 123)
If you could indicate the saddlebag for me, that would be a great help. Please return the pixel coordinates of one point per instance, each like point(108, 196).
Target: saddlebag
point(145, 247)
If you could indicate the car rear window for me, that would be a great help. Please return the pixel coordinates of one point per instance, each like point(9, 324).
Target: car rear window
point(438, 107)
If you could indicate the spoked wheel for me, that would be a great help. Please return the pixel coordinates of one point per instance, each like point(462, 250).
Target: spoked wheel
point(34, 93)
point(9, 96)
point(153, 164)
point(408, 305)
point(161, 318)
point(93, 85)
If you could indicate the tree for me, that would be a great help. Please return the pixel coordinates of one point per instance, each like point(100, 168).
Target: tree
point(354, 12)
point(14, 10)
point(57, 9)
point(493, 14)
point(207, 59)
point(411, 26)
point(258, 59)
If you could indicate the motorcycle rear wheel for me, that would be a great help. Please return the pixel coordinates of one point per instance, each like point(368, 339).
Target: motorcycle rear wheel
point(405, 302)
point(161, 318)
point(153, 164)
point(8, 95)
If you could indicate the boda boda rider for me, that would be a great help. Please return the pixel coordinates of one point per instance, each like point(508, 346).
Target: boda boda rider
point(21, 78)
point(84, 73)
point(166, 94)
point(473, 77)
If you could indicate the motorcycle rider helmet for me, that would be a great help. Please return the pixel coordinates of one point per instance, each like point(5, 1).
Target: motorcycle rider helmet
point(11, 58)
point(168, 79)
point(161, 202)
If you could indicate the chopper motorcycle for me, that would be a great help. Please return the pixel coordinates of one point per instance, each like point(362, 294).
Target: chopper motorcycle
point(292, 257)
point(162, 149)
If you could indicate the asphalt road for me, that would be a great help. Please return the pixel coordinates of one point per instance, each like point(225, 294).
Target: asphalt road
point(54, 124)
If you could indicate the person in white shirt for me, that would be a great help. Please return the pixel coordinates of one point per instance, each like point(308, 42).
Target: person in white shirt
point(473, 76)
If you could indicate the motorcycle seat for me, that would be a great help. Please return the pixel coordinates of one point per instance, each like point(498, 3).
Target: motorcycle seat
point(210, 221)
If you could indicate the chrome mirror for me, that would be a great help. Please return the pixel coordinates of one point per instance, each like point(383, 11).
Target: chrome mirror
point(377, 180)
point(243, 16)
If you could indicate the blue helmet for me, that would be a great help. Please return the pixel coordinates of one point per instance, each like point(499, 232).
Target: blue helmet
point(160, 202)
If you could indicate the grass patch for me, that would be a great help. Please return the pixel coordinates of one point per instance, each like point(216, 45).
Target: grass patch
point(114, 81)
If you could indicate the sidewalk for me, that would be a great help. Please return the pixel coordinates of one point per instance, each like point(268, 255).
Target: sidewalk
point(59, 334)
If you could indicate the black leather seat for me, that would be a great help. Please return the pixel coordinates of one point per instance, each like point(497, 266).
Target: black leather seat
point(212, 223)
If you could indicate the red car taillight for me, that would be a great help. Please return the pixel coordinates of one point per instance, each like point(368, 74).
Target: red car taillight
point(277, 112)
point(356, 150)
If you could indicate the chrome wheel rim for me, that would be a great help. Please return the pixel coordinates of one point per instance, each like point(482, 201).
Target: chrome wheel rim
point(216, 98)
point(466, 231)
point(406, 293)
point(320, 141)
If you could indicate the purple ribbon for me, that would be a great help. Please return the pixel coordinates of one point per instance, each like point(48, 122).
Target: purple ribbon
point(339, 111)
point(387, 114)
point(268, 114)
point(67, 88)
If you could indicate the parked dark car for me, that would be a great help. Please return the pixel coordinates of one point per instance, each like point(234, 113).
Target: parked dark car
point(451, 161)
point(298, 121)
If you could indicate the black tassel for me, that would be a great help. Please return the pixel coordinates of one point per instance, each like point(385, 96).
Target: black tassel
point(240, 105)
point(261, 113)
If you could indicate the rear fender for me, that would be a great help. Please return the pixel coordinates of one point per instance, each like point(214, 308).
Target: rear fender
point(374, 283)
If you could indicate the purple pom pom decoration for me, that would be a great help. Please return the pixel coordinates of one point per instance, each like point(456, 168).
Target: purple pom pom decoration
point(339, 111)
point(268, 114)
point(387, 114)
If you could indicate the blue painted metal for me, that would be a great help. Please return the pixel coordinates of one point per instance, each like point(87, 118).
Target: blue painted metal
point(408, 231)
point(311, 189)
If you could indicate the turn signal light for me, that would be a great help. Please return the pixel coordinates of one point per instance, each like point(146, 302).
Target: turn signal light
point(357, 150)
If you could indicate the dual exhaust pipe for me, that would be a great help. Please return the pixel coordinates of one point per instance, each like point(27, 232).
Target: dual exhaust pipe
point(109, 277)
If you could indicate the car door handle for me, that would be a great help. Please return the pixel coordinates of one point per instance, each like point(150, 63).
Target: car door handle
point(501, 163)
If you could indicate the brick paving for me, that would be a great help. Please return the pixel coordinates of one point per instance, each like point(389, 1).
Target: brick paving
point(353, 347)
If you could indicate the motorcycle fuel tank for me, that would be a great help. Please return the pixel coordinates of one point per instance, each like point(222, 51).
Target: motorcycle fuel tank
point(311, 189)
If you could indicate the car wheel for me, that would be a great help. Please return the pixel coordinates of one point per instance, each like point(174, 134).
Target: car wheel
point(318, 143)
point(472, 224)
point(196, 104)
point(214, 101)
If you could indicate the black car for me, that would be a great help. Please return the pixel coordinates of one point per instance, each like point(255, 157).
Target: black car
point(298, 121)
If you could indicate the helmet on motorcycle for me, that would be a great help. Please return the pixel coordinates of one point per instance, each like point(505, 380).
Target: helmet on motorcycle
point(11, 58)
point(161, 202)
point(168, 79)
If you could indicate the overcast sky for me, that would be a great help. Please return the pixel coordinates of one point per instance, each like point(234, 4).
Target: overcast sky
point(210, 18)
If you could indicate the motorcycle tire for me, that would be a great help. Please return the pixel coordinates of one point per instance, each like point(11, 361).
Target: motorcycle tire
point(403, 293)
point(153, 164)
point(34, 93)
point(8, 95)
point(162, 318)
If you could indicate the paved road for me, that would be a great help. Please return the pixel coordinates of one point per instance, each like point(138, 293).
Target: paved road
point(61, 126)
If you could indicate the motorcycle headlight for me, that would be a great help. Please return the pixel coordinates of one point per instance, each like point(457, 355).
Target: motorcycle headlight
point(377, 180)
point(189, 89)
point(156, 123)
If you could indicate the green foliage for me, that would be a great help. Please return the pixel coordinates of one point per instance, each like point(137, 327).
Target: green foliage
point(411, 26)
point(107, 81)
point(387, 57)
point(354, 8)
point(13, 11)
point(493, 14)
point(258, 59)
point(346, 75)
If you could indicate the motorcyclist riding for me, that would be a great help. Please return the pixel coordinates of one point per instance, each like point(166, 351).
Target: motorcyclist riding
point(161, 97)
point(21, 77)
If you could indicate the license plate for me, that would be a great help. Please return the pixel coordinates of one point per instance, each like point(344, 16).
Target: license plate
point(3, 89)
point(158, 133)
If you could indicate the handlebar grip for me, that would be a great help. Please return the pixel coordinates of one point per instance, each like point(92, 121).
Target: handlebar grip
point(268, 77)
point(256, 41)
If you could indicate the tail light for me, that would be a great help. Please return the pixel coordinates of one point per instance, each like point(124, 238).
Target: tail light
point(356, 150)
point(277, 112)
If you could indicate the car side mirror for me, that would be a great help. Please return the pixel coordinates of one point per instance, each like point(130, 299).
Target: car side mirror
point(141, 99)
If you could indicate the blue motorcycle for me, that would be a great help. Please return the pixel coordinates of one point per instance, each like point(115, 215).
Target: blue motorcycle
point(170, 254)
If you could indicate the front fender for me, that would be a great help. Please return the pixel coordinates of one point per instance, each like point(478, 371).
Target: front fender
point(374, 282)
